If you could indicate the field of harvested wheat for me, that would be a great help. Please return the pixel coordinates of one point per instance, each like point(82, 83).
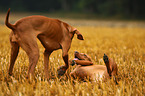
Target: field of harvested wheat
point(122, 41)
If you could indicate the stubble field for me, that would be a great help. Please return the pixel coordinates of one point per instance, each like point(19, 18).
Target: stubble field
point(122, 41)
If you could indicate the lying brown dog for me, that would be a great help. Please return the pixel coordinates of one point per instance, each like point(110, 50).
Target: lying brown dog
point(52, 33)
point(86, 69)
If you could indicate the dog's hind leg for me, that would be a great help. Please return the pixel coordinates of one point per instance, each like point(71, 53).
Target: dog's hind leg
point(107, 63)
point(14, 54)
point(31, 48)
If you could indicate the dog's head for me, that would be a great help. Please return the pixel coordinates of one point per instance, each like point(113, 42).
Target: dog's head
point(82, 56)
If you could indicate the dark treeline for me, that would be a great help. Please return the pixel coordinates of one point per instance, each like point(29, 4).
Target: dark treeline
point(124, 8)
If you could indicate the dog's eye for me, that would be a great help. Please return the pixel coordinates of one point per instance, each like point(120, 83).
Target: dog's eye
point(85, 55)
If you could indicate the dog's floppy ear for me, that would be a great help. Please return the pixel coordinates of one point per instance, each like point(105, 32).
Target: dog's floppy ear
point(74, 31)
point(79, 35)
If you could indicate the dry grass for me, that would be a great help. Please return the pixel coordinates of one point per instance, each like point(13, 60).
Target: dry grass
point(125, 44)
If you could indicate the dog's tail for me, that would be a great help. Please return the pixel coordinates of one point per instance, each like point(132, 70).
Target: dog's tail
point(7, 21)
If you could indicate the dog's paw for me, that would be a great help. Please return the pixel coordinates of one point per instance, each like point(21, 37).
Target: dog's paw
point(72, 62)
point(10, 74)
point(61, 71)
point(105, 58)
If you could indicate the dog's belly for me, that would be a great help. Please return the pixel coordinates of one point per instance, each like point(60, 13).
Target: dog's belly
point(94, 72)
point(48, 43)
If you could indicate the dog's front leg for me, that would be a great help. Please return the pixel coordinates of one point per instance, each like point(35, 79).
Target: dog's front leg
point(65, 49)
point(65, 58)
point(46, 63)
point(62, 69)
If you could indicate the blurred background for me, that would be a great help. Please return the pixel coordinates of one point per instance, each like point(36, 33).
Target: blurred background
point(120, 9)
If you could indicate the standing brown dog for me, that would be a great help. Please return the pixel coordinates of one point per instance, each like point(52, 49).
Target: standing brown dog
point(86, 69)
point(52, 33)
